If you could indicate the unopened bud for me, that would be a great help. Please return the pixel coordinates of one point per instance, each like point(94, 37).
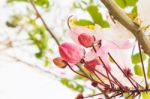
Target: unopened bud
point(59, 62)
point(86, 40)
point(71, 53)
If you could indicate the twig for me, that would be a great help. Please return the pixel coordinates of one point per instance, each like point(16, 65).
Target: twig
point(44, 23)
point(122, 70)
point(143, 67)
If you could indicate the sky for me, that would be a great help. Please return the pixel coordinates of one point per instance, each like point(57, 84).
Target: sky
point(19, 81)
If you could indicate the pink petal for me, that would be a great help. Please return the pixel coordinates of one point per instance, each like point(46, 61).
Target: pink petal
point(118, 44)
point(71, 53)
point(75, 32)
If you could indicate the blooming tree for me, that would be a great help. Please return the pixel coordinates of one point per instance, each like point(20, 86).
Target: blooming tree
point(109, 46)
point(106, 60)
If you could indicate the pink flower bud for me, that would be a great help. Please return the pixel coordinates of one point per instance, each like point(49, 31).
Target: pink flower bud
point(71, 53)
point(90, 65)
point(86, 40)
point(59, 62)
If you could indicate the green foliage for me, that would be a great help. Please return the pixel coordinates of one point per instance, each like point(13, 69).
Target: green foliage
point(46, 62)
point(136, 58)
point(145, 95)
point(10, 1)
point(131, 2)
point(14, 21)
point(82, 4)
point(148, 70)
point(97, 16)
point(138, 70)
point(70, 84)
point(39, 37)
point(83, 22)
point(134, 12)
point(92, 9)
point(121, 3)
point(42, 3)
point(126, 3)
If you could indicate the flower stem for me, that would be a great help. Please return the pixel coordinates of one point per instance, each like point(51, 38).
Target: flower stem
point(143, 67)
point(104, 68)
point(122, 70)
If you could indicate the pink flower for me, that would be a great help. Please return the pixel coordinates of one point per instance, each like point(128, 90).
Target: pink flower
point(75, 32)
point(90, 65)
point(113, 47)
point(116, 49)
point(71, 53)
point(86, 40)
point(59, 62)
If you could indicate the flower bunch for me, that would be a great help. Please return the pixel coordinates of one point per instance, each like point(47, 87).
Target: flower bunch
point(102, 59)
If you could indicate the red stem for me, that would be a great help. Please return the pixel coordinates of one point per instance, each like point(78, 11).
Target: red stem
point(143, 67)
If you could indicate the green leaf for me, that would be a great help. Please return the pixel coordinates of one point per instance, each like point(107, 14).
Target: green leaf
point(42, 3)
point(97, 16)
point(126, 3)
point(145, 95)
point(39, 37)
point(136, 58)
point(148, 70)
point(131, 2)
point(47, 62)
point(74, 86)
point(134, 13)
point(121, 3)
point(134, 10)
point(14, 21)
point(138, 70)
point(83, 22)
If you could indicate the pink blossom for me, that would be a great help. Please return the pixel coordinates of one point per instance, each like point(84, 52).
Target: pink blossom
point(75, 32)
point(71, 53)
point(86, 40)
point(90, 65)
point(112, 47)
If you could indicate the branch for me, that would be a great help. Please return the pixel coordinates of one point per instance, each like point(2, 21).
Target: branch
point(44, 23)
point(123, 18)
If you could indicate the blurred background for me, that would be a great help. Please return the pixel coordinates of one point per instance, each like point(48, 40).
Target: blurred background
point(27, 48)
point(30, 32)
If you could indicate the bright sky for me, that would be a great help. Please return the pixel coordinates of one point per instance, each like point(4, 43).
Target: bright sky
point(19, 81)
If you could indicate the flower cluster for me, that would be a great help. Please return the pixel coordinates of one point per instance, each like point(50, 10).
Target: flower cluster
point(100, 58)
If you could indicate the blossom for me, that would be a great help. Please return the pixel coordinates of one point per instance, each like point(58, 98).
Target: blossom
point(115, 32)
point(59, 62)
point(90, 65)
point(71, 52)
point(86, 40)
point(119, 52)
point(76, 31)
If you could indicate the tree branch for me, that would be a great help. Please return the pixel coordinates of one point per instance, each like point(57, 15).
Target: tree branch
point(123, 18)
point(44, 23)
